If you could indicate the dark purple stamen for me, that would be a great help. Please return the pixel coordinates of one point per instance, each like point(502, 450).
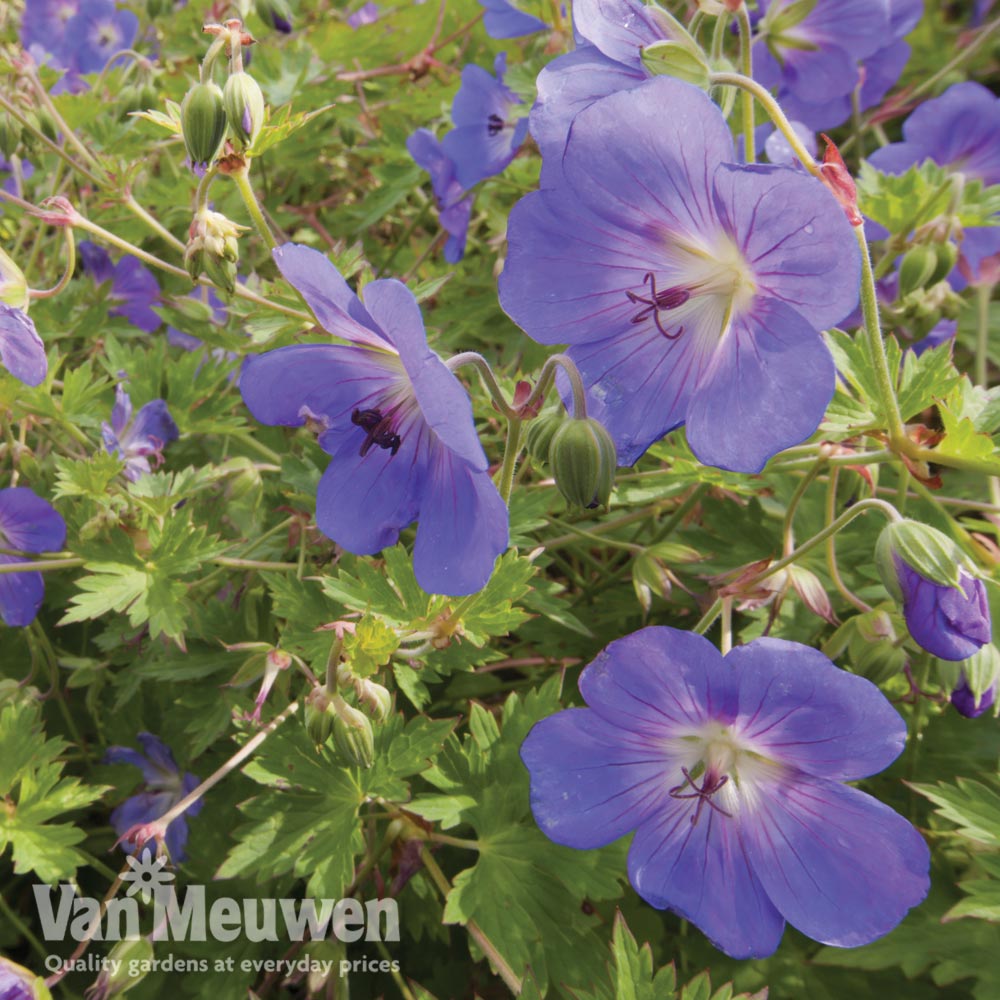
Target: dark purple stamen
point(494, 124)
point(711, 783)
point(671, 298)
point(379, 430)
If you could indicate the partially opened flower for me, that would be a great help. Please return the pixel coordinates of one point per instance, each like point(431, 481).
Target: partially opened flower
point(809, 50)
point(945, 606)
point(19, 983)
point(165, 786)
point(692, 290)
point(976, 687)
point(838, 53)
point(22, 352)
point(959, 130)
point(396, 421)
point(968, 703)
point(487, 134)
point(454, 205)
point(27, 524)
point(731, 772)
point(139, 442)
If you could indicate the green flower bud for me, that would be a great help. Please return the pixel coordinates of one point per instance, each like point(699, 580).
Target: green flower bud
point(244, 104)
point(247, 482)
point(879, 661)
point(982, 674)
point(375, 698)
point(541, 430)
point(213, 248)
point(680, 60)
point(650, 578)
point(221, 272)
point(921, 548)
point(916, 268)
point(203, 123)
point(128, 963)
point(319, 715)
point(946, 256)
point(583, 461)
point(13, 285)
point(10, 134)
point(353, 734)
point(129, 100)
point(45, 122)
point(348, 135)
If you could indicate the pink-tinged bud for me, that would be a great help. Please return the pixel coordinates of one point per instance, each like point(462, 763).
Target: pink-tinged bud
point(810, 591)
point(838, 179)
point(59, 212)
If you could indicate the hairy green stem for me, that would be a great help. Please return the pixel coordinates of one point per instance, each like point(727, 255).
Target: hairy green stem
point(774, 112)
point(243, 185)
point(489, 380)
point(876, 346)
point(746, 67)
point(512, 450)
point(831, 546)
point(67, 275)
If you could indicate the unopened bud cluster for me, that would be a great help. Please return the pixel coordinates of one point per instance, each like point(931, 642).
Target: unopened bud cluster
point(213, 248)
point(209, 113)
point(328, 713)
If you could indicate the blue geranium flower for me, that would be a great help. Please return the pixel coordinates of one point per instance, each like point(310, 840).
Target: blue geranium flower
point(165, 786)
point(133, 291)
point(837, 48)
point(139, 440)
point(959, 130)
point(504, 20)
point(77, 35)
point(396, 421)
point(22, 352)
point(28, 524)
point(691, 289)
point(486, 136)
point(731, 772)
point(608, 58)
point(454, 205)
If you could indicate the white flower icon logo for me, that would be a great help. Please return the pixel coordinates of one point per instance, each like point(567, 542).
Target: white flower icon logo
point(146, 875)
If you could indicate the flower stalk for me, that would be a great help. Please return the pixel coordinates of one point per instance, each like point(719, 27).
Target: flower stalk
point(861, 507)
